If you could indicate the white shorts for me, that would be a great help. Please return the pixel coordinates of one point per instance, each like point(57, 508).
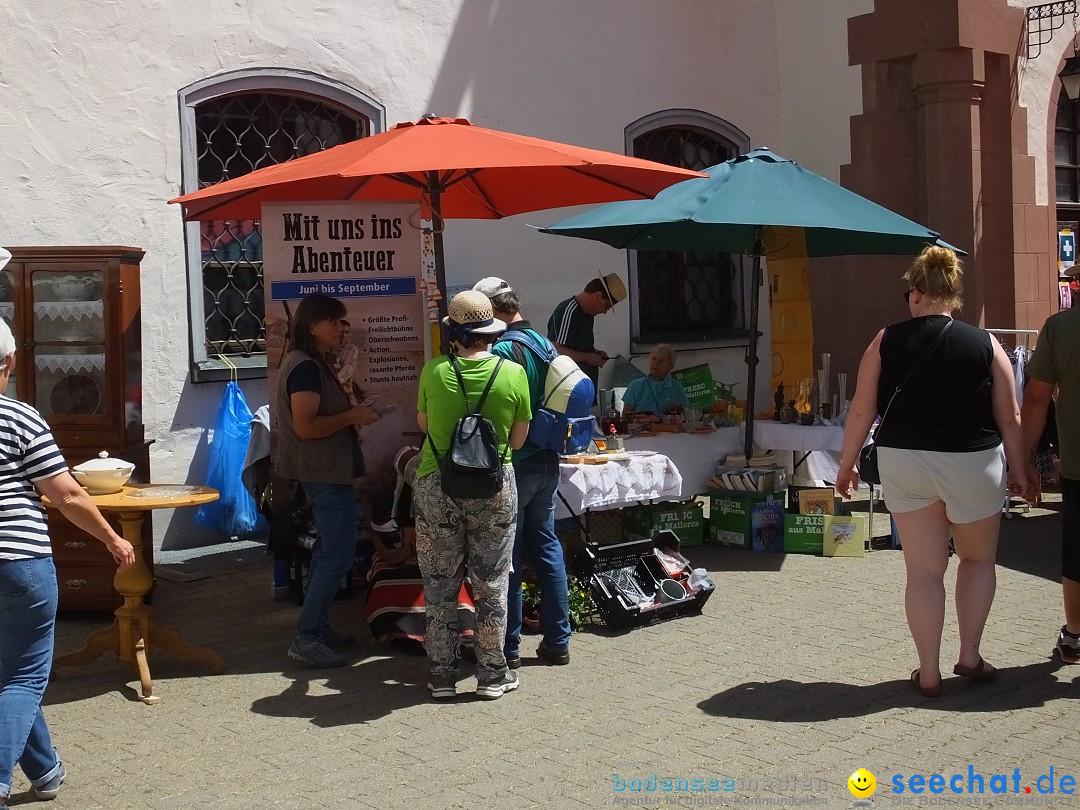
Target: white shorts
point(971, 485)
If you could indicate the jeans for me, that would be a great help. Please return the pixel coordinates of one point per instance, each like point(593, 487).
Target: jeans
point(537, 482)
point(336, 513)
point(27, 615)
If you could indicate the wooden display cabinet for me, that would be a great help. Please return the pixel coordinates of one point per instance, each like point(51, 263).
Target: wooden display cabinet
point(75, 313)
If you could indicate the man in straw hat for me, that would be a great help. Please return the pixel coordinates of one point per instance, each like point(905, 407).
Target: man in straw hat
point(452, 533)
point(570, 326)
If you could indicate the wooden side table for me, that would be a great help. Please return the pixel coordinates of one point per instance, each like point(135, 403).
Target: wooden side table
point(133, 635)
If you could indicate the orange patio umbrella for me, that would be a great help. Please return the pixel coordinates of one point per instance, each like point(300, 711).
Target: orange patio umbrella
point(459, 170)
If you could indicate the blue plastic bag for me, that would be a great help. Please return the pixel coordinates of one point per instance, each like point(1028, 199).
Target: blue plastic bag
point(234, 513)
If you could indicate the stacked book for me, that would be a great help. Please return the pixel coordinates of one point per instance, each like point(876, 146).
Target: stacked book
point(748, 479)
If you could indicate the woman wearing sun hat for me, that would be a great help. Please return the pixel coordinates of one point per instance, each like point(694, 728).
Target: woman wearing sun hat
point(452, 533)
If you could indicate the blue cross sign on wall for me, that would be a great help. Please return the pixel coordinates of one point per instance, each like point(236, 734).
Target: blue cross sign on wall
point(1066, 249)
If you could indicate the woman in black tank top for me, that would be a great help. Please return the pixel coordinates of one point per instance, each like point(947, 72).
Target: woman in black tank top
point(946, 393)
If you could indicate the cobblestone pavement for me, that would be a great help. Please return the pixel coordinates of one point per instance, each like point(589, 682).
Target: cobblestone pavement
point(793, 677)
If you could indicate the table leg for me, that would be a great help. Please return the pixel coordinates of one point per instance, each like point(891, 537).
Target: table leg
point(148, 697)
point(132, 617)
point(133, 634)
point(165, 638)
point(99, 641)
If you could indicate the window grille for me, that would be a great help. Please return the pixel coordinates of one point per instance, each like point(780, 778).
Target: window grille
point(235, 135)
point(1066, 151)
point(686, 296)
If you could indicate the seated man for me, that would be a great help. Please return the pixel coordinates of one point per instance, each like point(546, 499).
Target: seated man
point(657, 390)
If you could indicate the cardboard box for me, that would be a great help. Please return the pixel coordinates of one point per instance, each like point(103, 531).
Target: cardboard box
point(766, 480)
point(845, 535)
point(685, 519)
point(746, 520)
point(804, 534)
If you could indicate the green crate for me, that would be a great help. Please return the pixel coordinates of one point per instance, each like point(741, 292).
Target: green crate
point(746, 519)
point(685, 519)
point(804, 534)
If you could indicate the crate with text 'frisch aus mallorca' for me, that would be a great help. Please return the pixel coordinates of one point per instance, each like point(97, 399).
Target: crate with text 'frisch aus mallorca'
point(686, 519)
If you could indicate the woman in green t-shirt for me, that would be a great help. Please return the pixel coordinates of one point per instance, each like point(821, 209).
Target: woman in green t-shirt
point(452, 533)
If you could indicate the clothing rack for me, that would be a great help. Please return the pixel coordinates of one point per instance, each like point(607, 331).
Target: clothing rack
point(1028, 336)
point(1023, 338)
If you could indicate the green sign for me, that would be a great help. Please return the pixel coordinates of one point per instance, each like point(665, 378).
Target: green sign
point(699, 385)
point(804, 534)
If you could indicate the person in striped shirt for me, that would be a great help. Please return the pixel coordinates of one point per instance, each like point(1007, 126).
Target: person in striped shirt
point(31, 466)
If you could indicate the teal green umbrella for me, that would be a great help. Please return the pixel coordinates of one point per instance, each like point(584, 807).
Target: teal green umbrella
point(758, 204)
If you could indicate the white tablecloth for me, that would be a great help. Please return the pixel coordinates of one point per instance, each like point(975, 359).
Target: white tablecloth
point(617, 483)
point(777, 436)
point(694, 454)
point(821, 444)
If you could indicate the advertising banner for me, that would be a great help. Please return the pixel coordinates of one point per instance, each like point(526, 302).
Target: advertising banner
point(367, 255)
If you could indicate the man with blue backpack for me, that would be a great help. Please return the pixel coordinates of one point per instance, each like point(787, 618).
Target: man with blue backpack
point(562, 397)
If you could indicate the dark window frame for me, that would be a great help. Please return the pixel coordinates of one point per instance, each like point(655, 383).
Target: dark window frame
point(229, 256)
point(721, 314)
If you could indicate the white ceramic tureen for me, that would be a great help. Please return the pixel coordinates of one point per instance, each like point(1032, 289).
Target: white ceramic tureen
point(103, 475)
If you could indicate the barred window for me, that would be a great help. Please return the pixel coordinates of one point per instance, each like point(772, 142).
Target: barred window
point(1067, 150)
point(235, 125)
point(686, 297)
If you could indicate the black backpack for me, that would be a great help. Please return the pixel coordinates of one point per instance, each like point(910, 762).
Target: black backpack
point(472, 466)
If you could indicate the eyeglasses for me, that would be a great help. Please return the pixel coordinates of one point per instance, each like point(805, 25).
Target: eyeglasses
point(907, 294)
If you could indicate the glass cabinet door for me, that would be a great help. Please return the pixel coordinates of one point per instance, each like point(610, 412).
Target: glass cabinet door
point(7, 312)
point(69, 343)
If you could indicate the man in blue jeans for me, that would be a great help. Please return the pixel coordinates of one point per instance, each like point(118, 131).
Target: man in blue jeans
point(537, 473)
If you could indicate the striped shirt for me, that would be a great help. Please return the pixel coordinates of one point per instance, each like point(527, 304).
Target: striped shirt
point(28, 453)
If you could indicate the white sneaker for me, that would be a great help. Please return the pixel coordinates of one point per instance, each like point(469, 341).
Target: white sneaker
point(492, 690)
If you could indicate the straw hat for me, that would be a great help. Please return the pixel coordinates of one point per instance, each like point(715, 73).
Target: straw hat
point(614, 287)
point(470, 312)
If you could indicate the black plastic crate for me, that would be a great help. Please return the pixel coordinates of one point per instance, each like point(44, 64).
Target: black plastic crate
point(615, 571)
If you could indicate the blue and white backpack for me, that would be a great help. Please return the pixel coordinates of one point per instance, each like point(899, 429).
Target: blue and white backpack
point(563, 420)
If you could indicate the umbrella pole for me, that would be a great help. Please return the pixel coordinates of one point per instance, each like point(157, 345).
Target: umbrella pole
point(435, 192)
point(751, 348)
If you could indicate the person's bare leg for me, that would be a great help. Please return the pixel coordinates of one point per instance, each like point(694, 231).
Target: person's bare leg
point(924, 534)
point(976, 580)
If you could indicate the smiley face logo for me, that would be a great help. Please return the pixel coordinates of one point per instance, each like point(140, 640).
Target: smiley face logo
point(862, 784)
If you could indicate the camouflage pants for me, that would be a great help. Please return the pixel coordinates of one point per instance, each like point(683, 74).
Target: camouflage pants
point(450, 535)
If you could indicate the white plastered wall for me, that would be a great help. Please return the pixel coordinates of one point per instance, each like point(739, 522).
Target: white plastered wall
point(90, 130)
point(1038, 88)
